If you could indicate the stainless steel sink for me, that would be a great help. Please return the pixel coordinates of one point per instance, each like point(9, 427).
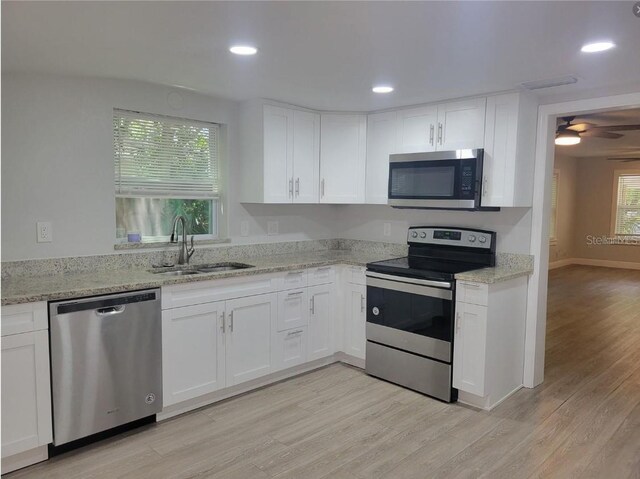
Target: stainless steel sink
point(180, 272)
point(217, 267)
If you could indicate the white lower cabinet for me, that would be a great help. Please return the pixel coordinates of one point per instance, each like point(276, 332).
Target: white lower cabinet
point(293, 309)
point(193, 353)
point(469, 348)
point(290, 348)
point(321, 321)
point(250, 322)
point(355, 318)
point(26, 386)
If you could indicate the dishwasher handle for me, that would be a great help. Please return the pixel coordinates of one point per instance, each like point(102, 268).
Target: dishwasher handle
point(111, 310)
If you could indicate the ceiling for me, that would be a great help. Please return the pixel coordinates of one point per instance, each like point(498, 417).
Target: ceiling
point(327, 55)
point(592, 147)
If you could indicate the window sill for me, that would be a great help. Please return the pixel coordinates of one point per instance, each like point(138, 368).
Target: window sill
point(166, 244)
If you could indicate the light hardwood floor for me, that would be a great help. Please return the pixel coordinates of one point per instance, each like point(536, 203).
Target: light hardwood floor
point(583, 421)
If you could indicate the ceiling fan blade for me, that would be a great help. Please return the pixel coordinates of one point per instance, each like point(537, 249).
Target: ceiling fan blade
point(581, 126)
point(597, 133)
point(625, 160)
point(620, 127)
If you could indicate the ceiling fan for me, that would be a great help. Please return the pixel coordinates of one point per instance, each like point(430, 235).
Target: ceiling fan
point(623, 159)
point(570, 134)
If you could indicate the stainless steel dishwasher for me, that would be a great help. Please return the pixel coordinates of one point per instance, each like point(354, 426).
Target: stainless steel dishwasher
point(106, 362)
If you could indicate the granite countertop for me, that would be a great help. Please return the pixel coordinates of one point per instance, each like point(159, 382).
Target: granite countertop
point(75, 285)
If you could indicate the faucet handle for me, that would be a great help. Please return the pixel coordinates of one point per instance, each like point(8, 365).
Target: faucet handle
point(191, 250)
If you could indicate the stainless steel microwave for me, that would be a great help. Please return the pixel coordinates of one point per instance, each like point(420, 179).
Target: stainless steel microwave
point(437, 180)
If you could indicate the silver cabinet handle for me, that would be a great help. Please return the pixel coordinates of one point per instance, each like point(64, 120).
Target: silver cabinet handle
point(231, 322)
point(223, 326)
point(362, 306)
point(431, 131)
point(110, 311)
point(458, 319)
point(485, 180)
point(291, 333)
point(295, 293)
point(440, 133)
point(297, 187)
point(322, 188)
point(312, 305)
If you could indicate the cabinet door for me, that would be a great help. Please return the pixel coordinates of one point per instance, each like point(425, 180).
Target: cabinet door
point(382, 140)
point(461, 125)
point(355, 320)
point(469, 348)
point(293, 309)
point(417, 129)
point(321, 334)
point(342, 158)
point(500, 150)
point(192, 351)
point(278, 154)
point(250, 322)
point(26, 392)
point(290, 348)
point(306, 157)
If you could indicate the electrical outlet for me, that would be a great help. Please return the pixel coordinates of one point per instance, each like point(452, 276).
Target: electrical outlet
point(45, 233)
point(272, 228)
point(244, 228)
point(387, 229)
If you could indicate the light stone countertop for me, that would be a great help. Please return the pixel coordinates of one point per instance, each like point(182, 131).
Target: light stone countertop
point(29, 289)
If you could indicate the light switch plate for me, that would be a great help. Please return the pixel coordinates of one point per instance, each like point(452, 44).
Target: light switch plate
point(272, 228)
point(244, 228)
point(44, 231)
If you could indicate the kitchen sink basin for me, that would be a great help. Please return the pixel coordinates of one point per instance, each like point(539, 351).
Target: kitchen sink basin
point(202, 268)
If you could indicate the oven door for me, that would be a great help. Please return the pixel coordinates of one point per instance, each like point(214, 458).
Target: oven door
point(410, 314)
point(445, 179)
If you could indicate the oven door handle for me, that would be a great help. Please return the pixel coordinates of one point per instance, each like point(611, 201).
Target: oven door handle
point(402, 279)
point(410, 288)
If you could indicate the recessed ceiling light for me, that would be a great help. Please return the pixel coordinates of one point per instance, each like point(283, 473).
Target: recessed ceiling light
point(382, 89)
point(243, 50)
point(597, 47)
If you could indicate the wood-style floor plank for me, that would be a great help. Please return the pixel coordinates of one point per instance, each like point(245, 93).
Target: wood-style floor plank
point(339, 423)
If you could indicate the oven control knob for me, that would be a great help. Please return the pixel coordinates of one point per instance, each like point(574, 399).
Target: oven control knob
point(482, 239)
point(423, 235)
point(375, 311)
point(472, 238)
point(414, 234)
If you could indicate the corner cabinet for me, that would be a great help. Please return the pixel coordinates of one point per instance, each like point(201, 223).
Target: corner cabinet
point(488, 347)
point(280, 154)
point(509, 146)
point(26, 387)
point(382, 140)
point(342, 158)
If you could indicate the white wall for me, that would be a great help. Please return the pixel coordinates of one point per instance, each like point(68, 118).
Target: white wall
point(567, 209)
point(57, 164)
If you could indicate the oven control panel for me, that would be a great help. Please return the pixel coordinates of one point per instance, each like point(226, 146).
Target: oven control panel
point(443, 235)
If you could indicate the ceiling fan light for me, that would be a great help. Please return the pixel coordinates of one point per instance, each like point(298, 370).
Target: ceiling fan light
point(567, 138)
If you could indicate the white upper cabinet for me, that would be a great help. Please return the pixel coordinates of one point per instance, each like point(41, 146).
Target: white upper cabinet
point(342, 158)
point(461, 125)
point(280, 154)
point(509, 150)
point(417, 129)
point(382, 140)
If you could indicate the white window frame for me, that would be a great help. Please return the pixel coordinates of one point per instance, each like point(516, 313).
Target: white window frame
point(614, 205)
point(553, 219)
point(216, 199)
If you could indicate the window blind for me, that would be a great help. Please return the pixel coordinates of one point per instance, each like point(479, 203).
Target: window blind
point(164, 156)
point(628, 204)
point(554, 206)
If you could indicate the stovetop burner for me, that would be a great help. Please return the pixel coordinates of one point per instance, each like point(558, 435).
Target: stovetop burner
point(421, 268)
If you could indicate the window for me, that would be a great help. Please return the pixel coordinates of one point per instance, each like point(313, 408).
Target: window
point(165, 167)
point(626, 203)
point(554, 208)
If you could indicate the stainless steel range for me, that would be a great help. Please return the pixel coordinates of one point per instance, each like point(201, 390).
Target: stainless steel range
point(411, 307)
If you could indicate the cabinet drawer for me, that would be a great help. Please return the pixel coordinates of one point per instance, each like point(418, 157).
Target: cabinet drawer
point(322, 275)
point(23, 318)
point(291, 280)
point(290, 348)
point(293, 309)
point(188, 294)
point(356, 274)
point(472, 293)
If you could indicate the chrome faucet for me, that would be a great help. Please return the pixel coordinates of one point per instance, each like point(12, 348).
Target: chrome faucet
point(185, 252)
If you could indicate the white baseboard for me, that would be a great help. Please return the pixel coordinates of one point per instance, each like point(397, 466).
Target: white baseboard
point(594, 262)
point(24, 459)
